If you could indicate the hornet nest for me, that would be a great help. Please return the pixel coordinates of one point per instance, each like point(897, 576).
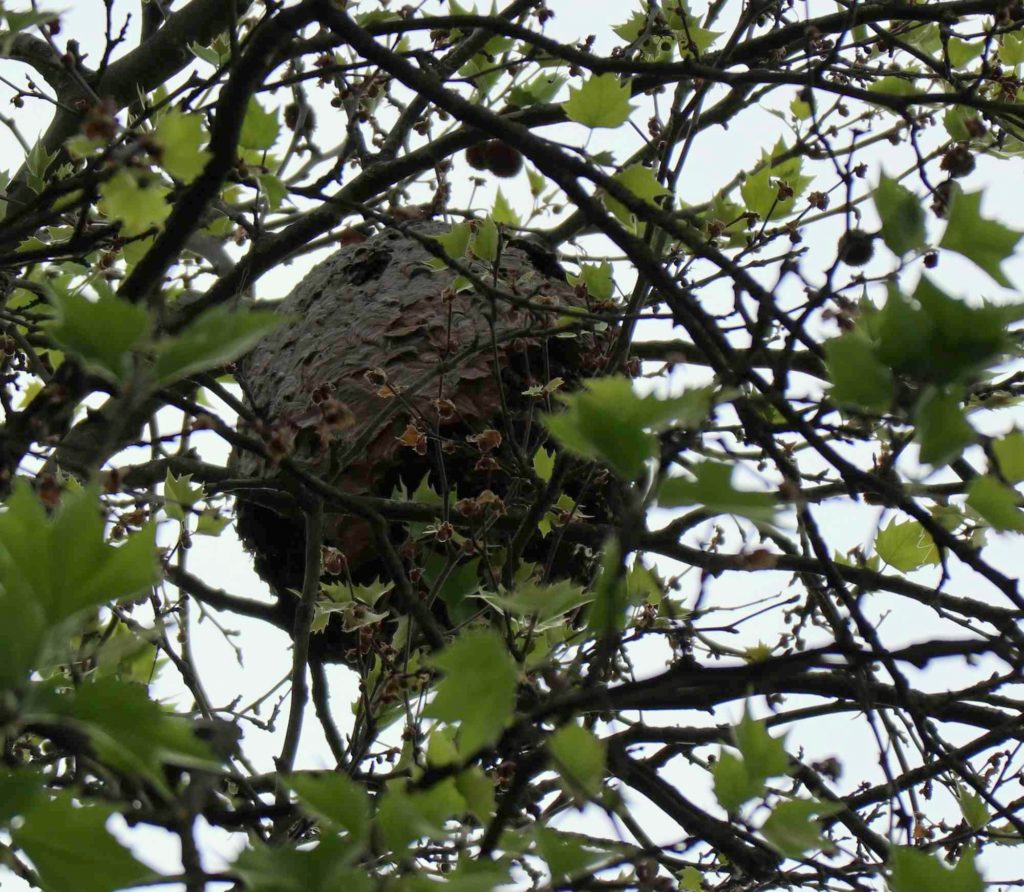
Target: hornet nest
point(385, 376)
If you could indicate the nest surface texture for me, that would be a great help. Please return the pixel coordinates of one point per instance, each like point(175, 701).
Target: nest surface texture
point(378, 341)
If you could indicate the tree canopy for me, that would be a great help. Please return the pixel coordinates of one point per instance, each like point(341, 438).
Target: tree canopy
point(636, 484)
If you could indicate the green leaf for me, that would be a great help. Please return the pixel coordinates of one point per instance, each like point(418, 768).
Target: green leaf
point(471, 875)
point(537, 182)
point(800, 109)
point(179, 494)
point(632, 28)
point(925, 37)
point(760, 190)
point(136, 249)
point(325, 868)
point(733, 784)
point(589, 431)
point(973, 808)
point(457, 586)
point(207, 54)
point(712, 488)
point(962, 51)
point(541, 89)
point(502, 211)
point(128, 656)
point(543, 464)
point(1011, 50)
point(379, 16)
point(942, 428)
point(902, 216)
point(607, 616)
point(996, 503)
point(644, 585)
point(893, 85)
point(610, 423)
point(955, 121)
point(137, 200)
point(215, 337)
point(986, 242)
point(478, 791)
point(688, 410)
point(915, 871)
point(19, 21)
point(642, 182)
point(481, 72)
point(352, 616)
point(336, 798)
point(23, 629)
point(764, 756)
point(273, 188)
point(858, 377)
point(212, 522)
point(62, 561)
point(597, 278)
point(403, 816)
point(260, 127)
point(695, 39)
point(691, 879)
point(602, 101)
point(567, 854)
point(180, 138)
point(548, 603)
point(938, 339)
point(965, 337)
point(724, 213)
point(72, 850)
point(80, 146)
point(1009, 453)
point(38, 162)
point(455, 242)
point(441, 747)
point(102, 334)
point(127, 729)
point(478, 690)
point(485, 241)
point(579, 757)
point(1005, 834)
point(791, 828)
point(906, 546)
point(19, 788)
point(949, 517)
point(691, 37)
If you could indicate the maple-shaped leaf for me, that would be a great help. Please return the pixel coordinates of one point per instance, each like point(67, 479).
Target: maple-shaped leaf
point(602, 101)
point(138, 201)
point(642, 182)
point(180, 137)
point(987, 242)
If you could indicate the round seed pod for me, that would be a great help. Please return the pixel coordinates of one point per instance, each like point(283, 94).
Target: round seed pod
point(495, 156)
point(856, 248)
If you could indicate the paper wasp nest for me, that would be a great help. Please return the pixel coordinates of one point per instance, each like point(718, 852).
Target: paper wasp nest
point(385, 374)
